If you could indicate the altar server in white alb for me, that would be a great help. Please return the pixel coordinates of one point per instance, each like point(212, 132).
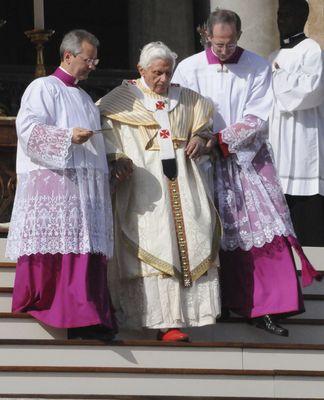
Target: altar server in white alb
point(297, 121)
point(61, 226)
point(258, 274)
point(167, 229)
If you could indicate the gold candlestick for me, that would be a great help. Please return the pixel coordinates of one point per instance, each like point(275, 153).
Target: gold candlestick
point(39, 37)
point(202, 30)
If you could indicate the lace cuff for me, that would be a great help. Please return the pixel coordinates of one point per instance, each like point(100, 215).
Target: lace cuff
point(245, 138)
point(49, 146)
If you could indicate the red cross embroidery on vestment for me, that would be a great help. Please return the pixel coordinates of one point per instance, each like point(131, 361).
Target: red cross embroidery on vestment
point(132, 81)
point(164, 133)
point(160, 105)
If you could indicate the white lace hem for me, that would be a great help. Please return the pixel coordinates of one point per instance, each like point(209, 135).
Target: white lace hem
point(230, 245)
point(252, 206)
point(61, 211)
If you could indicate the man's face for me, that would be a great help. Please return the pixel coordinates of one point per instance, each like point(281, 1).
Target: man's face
point(289, 24)
point(224, 40)
point(158, 75)
point(81, 65)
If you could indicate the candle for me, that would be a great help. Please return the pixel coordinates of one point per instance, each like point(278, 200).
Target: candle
point(38, 14)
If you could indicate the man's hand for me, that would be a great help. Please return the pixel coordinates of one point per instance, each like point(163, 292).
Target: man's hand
point(196, 147)
point(81, 135)
point(123, 168)
point(212, 142)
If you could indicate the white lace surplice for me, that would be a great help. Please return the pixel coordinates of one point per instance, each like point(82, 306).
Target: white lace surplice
point(62, 202)
point(250, 199)
point(251, 204)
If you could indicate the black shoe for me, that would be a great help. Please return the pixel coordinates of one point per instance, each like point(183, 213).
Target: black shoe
point(268, 324)
point(225, 314)
point(93, 332)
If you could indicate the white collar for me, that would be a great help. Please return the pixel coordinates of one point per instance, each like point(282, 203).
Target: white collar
point(68, 73)
point(287, 41)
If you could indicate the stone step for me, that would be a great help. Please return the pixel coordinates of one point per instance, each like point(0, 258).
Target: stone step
point(5, 301)
point(7, 274)
point(132, 397)
point(3, 242)
point(138, 381)
point(22, 326)
point(157, 354)
point(315, 288)
point(307, 331)
point(300, 331)
point(315, 256)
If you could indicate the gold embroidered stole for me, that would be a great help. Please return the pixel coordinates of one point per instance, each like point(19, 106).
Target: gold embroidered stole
point(191, 114)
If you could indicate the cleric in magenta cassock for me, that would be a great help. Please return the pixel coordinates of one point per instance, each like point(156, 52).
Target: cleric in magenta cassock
point(61, 226)
point(258, 274)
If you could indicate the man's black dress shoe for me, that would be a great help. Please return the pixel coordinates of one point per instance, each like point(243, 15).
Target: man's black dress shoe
point(93, 332)
point(268, 324)
point(225, 314)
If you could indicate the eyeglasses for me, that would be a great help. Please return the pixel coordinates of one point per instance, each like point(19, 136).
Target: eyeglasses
point(89, 61)
point(221, 46)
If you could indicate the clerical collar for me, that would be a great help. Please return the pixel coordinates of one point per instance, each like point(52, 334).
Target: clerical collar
point(65, 77)
point(234, 59)
point(292, 40)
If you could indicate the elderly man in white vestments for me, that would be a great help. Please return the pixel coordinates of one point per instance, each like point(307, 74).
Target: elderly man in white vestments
point(167, 229)
point(61, 226)
point(297, 121)
point(258, 275)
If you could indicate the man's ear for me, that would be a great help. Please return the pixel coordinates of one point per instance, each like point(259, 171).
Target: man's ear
point(239, 35)
point(67, 57)
point(140, 69)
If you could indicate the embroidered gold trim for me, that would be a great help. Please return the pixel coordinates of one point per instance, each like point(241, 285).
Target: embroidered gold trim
point(165, 269)
point(162, 275)
point(148, 258)
point(180, 232)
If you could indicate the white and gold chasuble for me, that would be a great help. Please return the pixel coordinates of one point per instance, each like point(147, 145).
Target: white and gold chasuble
point(164, 229)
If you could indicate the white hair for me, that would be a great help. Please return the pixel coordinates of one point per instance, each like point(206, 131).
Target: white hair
point(156, 51)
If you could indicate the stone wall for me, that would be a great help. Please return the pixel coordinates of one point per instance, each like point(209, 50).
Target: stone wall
point(315, 25)
point(259, 26)
point(259, 21)
point(168, 20)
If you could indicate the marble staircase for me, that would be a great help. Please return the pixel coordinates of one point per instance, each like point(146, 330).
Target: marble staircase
point(230, 360)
